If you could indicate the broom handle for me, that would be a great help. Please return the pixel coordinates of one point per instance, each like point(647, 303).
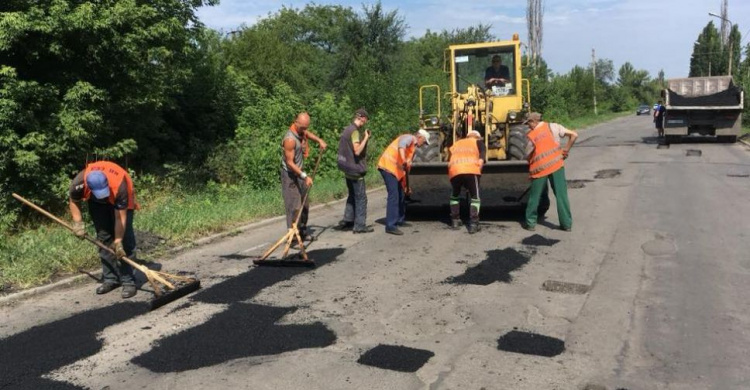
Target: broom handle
point(67, 226)
point(304, 198)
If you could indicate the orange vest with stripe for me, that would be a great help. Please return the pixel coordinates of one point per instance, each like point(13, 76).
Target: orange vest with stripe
point(464, 158)
point(115, 175)
point(547, 156)
point(390, 160)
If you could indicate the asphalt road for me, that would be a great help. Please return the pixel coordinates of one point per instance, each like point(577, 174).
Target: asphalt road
point(647, 292)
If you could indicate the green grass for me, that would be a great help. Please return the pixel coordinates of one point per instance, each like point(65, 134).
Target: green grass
point(590, 120)
point(37, 256)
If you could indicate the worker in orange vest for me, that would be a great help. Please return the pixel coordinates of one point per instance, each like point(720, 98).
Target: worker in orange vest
point(467, 158)
point(393, 165)
point(545, 158)
point(111, 202)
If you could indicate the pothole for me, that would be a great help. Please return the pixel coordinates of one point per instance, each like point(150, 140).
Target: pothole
point(575, 184)
point(565, 287)
point(662, 146)
point(659, 246)
point(396, 358)
point(693, 152)
point(528, 343)
point(607, 173)
point(738, 175)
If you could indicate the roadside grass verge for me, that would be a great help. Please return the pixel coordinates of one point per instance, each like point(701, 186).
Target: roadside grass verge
point(38, 256)
point(582, 122)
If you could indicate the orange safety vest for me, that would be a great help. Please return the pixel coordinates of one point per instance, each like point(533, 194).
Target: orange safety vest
point(391, 161)
point(547, 156)
point(464, 158)
point(115, 175)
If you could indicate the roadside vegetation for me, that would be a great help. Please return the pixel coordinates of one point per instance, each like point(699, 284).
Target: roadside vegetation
point(197, 115)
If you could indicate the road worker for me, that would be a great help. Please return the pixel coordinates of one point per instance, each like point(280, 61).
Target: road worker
point(394, 164)
point(545, 158)
point(295, 181)
point(467, 158)
point(111, 202)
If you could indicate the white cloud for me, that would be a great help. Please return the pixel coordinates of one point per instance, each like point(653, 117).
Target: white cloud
point(652, 35)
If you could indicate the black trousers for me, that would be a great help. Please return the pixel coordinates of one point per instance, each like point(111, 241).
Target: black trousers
point(103, 215)
point(356, 203)
point(471, 183)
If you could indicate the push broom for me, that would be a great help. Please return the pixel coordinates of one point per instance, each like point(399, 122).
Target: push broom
point(175, 286)
point(291, 235)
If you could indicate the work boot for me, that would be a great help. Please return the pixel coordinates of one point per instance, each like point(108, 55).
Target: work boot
point(106, 287)
point(345, 225)
point(366, 229)
point(456, 224)
point(528, 227)
point(128, 291)
point(473, 228)
point(403, 224)
point(394, 231)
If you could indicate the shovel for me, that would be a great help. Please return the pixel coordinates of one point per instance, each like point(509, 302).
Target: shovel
point(175, 286)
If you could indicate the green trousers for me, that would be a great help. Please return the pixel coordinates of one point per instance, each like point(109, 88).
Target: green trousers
point(560, 188)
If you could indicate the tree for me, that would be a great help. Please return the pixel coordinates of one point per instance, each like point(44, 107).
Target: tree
point(87, 77)
point(707, 53)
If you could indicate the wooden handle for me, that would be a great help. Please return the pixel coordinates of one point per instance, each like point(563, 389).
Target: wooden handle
point(67, 226)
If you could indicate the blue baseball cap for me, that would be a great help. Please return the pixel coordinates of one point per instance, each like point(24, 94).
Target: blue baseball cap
point(97, 183)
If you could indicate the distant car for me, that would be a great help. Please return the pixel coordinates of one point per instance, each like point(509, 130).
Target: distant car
point(643, 109)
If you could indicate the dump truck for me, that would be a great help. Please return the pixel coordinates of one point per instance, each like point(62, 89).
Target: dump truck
point(703, 106)
point(496, 110)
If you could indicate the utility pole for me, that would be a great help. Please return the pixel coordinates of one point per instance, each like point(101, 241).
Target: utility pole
point(731, 26)
point(593, 65)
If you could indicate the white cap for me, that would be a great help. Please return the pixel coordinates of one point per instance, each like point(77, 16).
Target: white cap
point(475, 133)
point(425, 134)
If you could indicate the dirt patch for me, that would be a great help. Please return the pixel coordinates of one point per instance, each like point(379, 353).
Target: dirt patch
point(243, 330)
point(147, 241)
point(693, 153)
point(529, 343)
point(537, 240)
point(564, 287)
point(496, 268)
point(576, 184)
point(396, 358)
point(27, 356)
point(607, 174)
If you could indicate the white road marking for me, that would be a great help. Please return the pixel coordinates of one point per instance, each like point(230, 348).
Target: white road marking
point(255, 247)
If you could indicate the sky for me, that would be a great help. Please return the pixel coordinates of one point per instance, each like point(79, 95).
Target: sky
point(650, 34)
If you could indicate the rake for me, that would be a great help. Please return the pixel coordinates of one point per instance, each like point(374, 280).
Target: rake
point(175, 286)
point(292, 235)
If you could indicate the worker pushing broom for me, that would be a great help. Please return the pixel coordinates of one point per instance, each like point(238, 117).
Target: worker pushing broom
point(295, 188)
point(109, 192)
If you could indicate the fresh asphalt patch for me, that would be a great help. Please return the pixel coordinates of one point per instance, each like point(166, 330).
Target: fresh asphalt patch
point(496, 268)
point(396, 358)
point(537, 240)
point(243, 330)
point(248, 284)
point(529, 343)
point(607, 173)
point(28, 355)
